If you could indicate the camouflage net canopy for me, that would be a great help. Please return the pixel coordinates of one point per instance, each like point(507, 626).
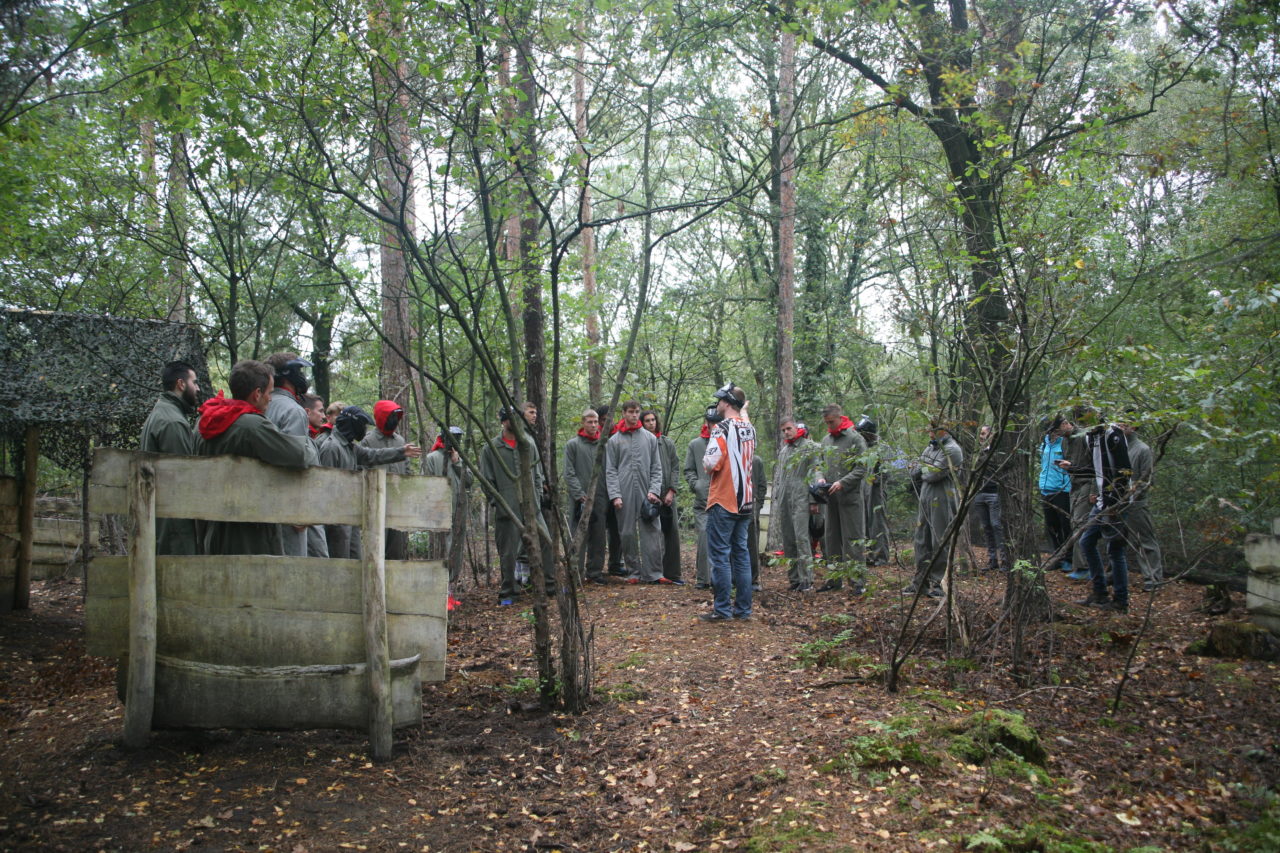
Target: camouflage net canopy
point(85, 381)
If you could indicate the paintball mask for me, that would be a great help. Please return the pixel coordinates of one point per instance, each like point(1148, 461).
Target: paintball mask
point(725, 392)
point(352, 423)
point(713, 416)
point(292, 373)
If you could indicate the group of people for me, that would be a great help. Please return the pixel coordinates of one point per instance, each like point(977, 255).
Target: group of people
point(271, 417)
point(1094, 481)
point(828, 495)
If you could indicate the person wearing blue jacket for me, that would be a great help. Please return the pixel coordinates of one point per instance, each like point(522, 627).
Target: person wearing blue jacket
point(1055, 488)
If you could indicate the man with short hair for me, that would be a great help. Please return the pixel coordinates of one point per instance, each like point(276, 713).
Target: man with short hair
point(580, 454)
point(633, 475)
point(342, 449)
point(332, 411)
point(167, 430)
point(798, 467)
point(239, 427)
point(730, 500)
point(668, 516)
point(843, 449)
point(1139, 528)
point(699, 482)
point(937, 475)
point(500, 467)
point(285, 411)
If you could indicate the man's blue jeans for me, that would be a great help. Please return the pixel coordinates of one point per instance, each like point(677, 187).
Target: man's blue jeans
point(1111, 532)
point(730, 562)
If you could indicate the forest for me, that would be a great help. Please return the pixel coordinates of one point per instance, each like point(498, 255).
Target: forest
point(977, 212)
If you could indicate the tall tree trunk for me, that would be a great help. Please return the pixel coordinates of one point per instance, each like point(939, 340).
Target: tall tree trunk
point(786, 220)
point(394, 162)
point(595, 370)
point(178, 294)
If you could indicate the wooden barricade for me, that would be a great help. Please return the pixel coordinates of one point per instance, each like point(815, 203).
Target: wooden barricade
point(265, 641)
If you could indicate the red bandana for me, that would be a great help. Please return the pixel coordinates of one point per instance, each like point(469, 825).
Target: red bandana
point(591, 438)
point(706, 431)
point(439, 444)
point(217, 414)
point(845, 424)
point(509, 442)
point(621, 426)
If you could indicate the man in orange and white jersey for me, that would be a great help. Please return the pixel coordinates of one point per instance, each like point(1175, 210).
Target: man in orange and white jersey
point(730, 500)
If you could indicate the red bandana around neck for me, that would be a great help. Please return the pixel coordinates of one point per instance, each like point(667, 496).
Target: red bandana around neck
point(591, 438)
point(621, 426)
point(439, 444)
point(706, 431)
point(845, 424)
point(509, 442)
point(217, 414)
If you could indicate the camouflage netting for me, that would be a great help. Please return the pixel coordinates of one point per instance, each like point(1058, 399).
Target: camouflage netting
point(85, 381)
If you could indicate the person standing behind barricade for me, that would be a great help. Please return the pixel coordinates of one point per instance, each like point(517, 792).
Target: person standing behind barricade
point(286, 412)
point(167, 430)
point(1079, 468)
point(580, 454)
point(387, 417)
point(877, 518)
point(633, 469)
point(1109, 498)
point(798, 467)
point(317, 427)
point(342, 449)
point(760, 486)
point(500, 467)
point(1055, 488)
point(444, 461)
point(729, 505)
point(699, 481)
point(239, 427)
point(1140, 531)
point(937, 474)
point(667, 516)
point(843, 452)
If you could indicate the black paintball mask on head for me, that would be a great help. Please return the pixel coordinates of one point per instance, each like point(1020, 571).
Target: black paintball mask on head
point(713, 415)
point(725, 392)
point(292, 373)
point(353, 423)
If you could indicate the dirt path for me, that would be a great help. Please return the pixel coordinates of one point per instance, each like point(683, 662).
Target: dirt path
point(705, 737)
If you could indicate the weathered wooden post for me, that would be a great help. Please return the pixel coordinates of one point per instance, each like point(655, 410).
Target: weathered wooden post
point(27, 519)
point(141, 687)
point(1262, 551)
point(374, 586)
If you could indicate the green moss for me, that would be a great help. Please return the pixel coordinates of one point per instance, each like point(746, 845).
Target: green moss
point(1033, 838)
point(892, 744)
point(787, 832)
point(995, 734)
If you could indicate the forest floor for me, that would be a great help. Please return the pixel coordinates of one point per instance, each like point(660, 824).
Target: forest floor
point(772, 734)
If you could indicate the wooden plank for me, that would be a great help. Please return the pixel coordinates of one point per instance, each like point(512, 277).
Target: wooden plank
point(9, 491)
point(374, 586)
point(141, 684)
point(232, 488)
point(63, 532)
point(271, 610)
point(192, 694)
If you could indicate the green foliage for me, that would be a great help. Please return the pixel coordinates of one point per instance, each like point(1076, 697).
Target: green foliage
point(1033, 838)
point(892, 744)
point(521, 686)
point(996, 734)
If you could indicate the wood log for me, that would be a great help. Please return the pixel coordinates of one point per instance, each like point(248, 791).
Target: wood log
point(193, 694)
point(140, 693)
point(375, 613)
